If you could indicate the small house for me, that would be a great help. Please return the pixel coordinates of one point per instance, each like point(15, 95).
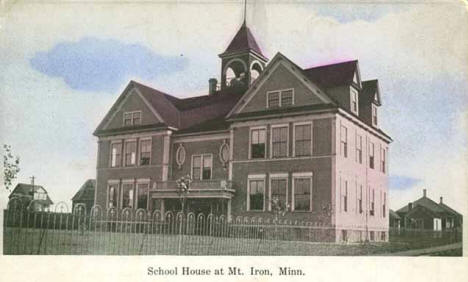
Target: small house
point(85, 195)
point(34, 197)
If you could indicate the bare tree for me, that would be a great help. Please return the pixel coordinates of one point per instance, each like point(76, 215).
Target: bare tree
point(10, 166)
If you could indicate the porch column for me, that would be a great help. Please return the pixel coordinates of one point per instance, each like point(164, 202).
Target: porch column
point(162, 208)
point(229, 210)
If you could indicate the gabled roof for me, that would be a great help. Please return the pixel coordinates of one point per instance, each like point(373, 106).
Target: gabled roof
point(175, 112)
point(243, 41)
point(86, 192)
point(425, 202)
point(329, 76)
point(449, 209)
point(393, 214)
point(26, 190)
point(370, 92)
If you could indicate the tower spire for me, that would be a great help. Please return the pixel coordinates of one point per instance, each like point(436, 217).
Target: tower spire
point(245, 12)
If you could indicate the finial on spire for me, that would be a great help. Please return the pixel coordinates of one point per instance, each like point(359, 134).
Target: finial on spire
point(245, 12)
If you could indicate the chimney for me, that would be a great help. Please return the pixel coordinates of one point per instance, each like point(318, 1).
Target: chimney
point(424, 193)
point(212, 82)
point(441, 200)
point(410, 206)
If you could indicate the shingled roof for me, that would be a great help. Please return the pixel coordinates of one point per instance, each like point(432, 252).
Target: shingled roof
point(424, 202)
point(329, 76)
point(86, 191)
point(27, 191)
point(243, 41)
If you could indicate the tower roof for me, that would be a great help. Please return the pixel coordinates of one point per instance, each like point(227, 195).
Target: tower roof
point(243, 41)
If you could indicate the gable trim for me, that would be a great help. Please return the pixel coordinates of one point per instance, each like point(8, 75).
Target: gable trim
point(278, 60)
point(119, 104)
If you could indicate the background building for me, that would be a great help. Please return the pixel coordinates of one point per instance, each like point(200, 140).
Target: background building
point(29, 192)
point(85, 195)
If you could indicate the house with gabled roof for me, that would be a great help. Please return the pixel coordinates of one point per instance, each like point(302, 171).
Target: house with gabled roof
point(425, 213)
point(32, 196)
point(85, 196)
point(270, 129)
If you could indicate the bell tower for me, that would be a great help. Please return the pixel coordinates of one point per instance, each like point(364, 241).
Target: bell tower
point(242, 61)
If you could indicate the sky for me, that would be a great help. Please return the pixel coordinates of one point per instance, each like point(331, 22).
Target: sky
point(63, 64)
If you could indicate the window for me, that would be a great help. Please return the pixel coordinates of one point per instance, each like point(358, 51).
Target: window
point(132, 118)
point(130, 153)
point(374, 115)
point(371, 155)
point(127, 195)
point(382, 160)
point(383, 236)
point(278, 190)
point(281, 98)
point(344, 196)
point(372, 207)
point(113, 195)
point(279, 142)
point(257, 143)
point(344, 141)
point(303, 140)
point(354, 101)
point(273, 99)
point(287, 98)
point(372, 235)
point(202, 166)
point(384, 205)
point(302, 195)
point(359, 149)
point(116, 152)
point(142, 192)
point(256, 195)
point(145, 152)
point(360, 200)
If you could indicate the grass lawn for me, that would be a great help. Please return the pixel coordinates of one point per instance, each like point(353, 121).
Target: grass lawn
point(62, 242)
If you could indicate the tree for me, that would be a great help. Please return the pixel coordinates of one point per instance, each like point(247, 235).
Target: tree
point(10, 166)
point(183, 185)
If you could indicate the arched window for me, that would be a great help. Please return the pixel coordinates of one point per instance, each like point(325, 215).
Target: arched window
point(255, 70)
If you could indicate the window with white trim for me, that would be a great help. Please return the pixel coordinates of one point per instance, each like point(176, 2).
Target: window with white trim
point(354, 101)
point(371, 155)
point(372, 207)
point(360, 200)
point(383, 158)
point(127, 195)
point(202, 166)
point(145, 152)
point(344, 141)
point(344, 196)
point(257, 143)
point(287, 98)
point(130, 153)
point(132, 118)
point(374, 115)
point(302, 194)
point(384, 204)
point(358, 148)
point(279, 141)
point(279, 191)
point(302, 140)
point(142, 195)
point(116, 154)
point(113, 195)
point(273, 99)
point(256, 195)
point(280, 98)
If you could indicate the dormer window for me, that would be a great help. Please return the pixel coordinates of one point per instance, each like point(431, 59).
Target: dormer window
point(132, 118)
point(280, 98)
point(354, 101)
point(374, 115)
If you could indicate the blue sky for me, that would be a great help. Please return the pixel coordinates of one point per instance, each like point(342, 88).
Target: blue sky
point(61, 76)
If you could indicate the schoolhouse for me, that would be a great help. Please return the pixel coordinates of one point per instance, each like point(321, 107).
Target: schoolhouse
point(269, 129)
